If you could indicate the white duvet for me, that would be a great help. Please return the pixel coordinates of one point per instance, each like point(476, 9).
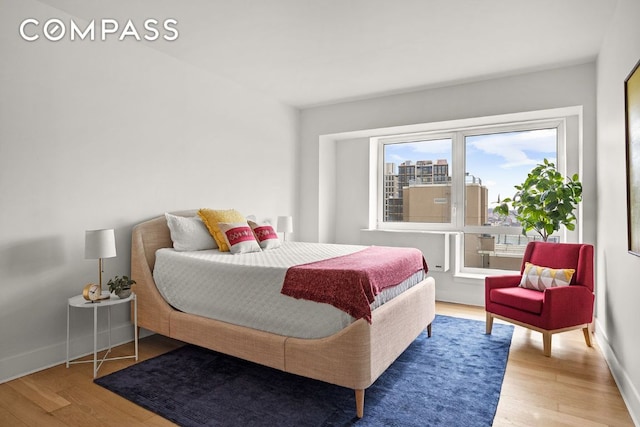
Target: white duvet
point(244, 289)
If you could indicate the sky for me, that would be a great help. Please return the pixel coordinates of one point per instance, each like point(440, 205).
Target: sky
point(500, 160)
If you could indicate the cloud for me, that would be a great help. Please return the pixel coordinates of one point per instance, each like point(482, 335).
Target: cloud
point(394, 158)
point(418, 150)
point(517, 148)
point(438, 146)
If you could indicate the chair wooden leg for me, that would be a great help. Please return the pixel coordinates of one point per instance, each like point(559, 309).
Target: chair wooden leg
point(360, 403)
point(489, 323)
point(546, 343)
point(587, 336)
point(429, 330)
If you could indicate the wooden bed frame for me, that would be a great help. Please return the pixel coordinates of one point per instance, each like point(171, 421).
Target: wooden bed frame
point(353, 357)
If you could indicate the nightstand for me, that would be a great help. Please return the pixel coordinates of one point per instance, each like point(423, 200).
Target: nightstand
point(79, 302)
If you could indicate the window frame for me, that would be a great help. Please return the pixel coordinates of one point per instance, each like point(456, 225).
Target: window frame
point(456, 169)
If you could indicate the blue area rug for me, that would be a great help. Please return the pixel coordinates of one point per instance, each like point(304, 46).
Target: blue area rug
point(451, 379)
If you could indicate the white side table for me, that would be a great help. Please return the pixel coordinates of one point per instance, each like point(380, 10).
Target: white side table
point(79, 302)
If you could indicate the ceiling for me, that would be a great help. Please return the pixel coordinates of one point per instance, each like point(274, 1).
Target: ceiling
point(313, 52)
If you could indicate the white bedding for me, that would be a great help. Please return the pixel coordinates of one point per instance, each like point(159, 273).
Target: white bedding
point(244, 289)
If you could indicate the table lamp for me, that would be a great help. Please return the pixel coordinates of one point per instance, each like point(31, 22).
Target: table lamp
point(99, 244)
point(285, 225)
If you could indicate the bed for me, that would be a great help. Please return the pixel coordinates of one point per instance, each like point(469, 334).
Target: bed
point(353, 357)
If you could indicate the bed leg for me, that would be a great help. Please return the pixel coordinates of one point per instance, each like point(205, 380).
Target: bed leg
point(360, 403)
point(429, 330)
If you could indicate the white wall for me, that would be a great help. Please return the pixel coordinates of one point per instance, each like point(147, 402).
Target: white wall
point(617, 287)
point(334, 189)
point(105, 135)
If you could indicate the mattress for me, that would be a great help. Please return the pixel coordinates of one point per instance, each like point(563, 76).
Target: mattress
point(244, 289)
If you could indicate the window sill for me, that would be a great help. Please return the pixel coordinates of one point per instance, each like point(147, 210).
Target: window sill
point(479, 277)
point(473, 278)
point(406, 231)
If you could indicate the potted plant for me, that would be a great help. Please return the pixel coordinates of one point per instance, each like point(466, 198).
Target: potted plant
point(121, 286)
point(545, 201)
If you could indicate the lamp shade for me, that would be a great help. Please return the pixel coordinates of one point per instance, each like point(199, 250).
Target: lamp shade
point(285, 224)
point(99, 244)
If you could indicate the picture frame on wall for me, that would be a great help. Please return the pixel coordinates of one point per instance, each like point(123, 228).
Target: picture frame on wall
point(632, 130)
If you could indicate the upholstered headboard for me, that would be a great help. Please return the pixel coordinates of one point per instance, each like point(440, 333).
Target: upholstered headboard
point(146, 238)
point(149, 236)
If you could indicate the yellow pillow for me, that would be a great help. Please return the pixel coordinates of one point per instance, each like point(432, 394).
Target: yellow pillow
point(212, 217)
point(541, 278)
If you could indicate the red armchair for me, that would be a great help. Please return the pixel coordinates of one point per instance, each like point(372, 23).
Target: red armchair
point(556, 309)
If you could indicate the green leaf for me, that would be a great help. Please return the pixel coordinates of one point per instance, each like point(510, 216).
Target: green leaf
point(545, 201)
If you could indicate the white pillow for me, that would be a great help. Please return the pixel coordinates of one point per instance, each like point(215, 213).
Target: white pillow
point(189, 233)
point(265, 235)
point(239, 237)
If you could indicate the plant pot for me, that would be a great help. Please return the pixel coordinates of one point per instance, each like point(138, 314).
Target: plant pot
point(123, 293)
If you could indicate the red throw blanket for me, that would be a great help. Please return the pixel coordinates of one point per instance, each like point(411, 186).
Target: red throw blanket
point(351, 282)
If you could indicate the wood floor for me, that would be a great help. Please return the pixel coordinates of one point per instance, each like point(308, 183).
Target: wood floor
point(572, 388)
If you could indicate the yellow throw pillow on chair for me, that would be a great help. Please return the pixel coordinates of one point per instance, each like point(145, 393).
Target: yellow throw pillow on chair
point(541, 278)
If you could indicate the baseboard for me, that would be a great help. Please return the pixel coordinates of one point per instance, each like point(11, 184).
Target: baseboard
point(46, 357)
point(628, 391)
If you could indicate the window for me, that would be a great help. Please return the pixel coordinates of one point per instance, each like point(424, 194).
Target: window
point(495, 162)
point(451, 181)
point(410, 167)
